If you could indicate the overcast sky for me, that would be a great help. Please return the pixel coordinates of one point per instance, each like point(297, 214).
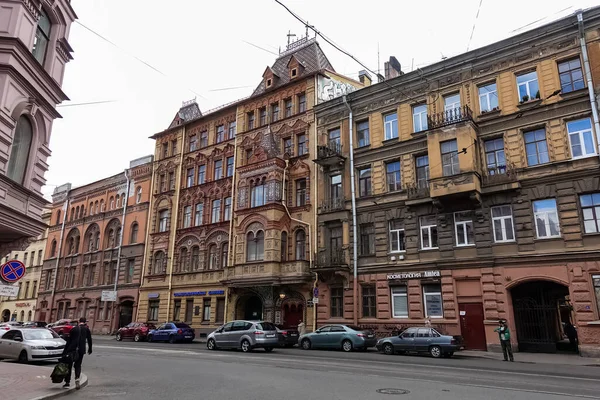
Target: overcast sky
point(200, 48)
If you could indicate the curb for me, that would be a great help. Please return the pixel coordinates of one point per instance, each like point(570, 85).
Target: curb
point(64, 392)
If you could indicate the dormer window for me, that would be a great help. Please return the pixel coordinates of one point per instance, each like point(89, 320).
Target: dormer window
point(294, 72)
point(269, 82)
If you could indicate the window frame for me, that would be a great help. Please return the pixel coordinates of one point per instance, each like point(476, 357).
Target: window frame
point(215, 215)
point(230, 166)
point(336, 302)
point(301, 192)
point(545, 216)
point(363, 133)
point(488, 95)
point(250, 120)
point(365, 187)
point(187, 216)
point(257, 192)
point(369, 307)
point(463, 223)
point(502, 220)
point(218, 170)
point(202, 174)
point(397, 230)
point(198, 214)
point(453, 154)
point(397, 183)
point(420, 111)
point(367, 231)
point(420, 169)
point(227, 209)
point(569, 72)
point(596, 288)
point(436, 293)
point(535, 142)
point(220, 133)
point(429, 234)
point(581, 136)
point(401, 294)
point(390, 127)
point(302, 145)
point(595, 210)
point(526, 84)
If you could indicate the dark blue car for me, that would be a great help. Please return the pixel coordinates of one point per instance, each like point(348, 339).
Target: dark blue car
point(172, 332)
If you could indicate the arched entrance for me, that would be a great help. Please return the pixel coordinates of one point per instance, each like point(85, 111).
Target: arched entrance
point(541, 311)
point(5, 315)
point(125, 313)
point(253, 308)
point(293, 313)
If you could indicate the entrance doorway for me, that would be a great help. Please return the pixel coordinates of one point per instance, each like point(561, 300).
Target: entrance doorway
point(292, 314)
point(539, 322)
point(5, 315)
point(253, 308)
point(471, 326)
point(125, 313)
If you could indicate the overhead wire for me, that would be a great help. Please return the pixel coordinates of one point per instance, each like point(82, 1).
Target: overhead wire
point(474, 23)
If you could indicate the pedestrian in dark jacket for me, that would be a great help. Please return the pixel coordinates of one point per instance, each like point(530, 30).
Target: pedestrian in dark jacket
point(75, 350)
point(504, 334)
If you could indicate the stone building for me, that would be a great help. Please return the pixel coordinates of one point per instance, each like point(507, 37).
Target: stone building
point(34, 51)
point(477, 187)
point(96, 243)
point(22, 307)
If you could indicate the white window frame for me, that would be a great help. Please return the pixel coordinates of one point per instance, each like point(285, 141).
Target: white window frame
point(463, 223)
point(487, 95)
point(502, 221)
point(187, 216)
point(451, 103)
point(526, 84)
point(389, 126)
point(584, 151)
point(420, 117)
point(428, 227)
point(405, 295)
point(425, 302)
point(398, 241)
point(163, 220)
point(198, 214)
point(545, 216)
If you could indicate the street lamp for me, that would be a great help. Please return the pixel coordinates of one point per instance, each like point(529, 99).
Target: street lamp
point(282, 296)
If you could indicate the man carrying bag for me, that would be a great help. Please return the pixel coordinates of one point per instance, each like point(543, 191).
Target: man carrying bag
point(75, 350)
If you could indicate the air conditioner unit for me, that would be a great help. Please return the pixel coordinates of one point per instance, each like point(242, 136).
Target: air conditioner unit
point(393, 258)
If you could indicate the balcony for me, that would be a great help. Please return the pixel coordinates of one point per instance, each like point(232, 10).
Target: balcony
point(457, 187)
point(332, 258)
point(418, 190)
point(332, 205)
point(330, 154)
point(449, 117)
point(500, 178)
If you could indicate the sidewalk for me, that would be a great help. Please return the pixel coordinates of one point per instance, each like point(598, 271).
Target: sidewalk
point(31, 382)
point(535, 358)
point(112, 337)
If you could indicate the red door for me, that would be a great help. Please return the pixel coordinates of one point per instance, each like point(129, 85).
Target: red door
point(471, 326)
point(292, 315)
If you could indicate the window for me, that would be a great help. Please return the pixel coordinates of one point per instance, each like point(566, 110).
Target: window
point(392, 176)
point(218, 169)
point(216, 211)
point(171, 180)
point(362, 133)
point(48, 283)
point(42, 37)
point(229, 166)
point(159, 262)
point(288, 107)
point(206, 310)
point(337, 302)
point(203, 139)
point(201, 174)
point(536, 147)
point(287, 147)
point(249, 153)
point(364, 182)
point(302, 145)
point(224, 254)
point(390, 122)
point(294, 72)
point(220, 133)
point(174, 147)
point(134, 233)
point(527, 84)
point(72, 251)
point(596, 281)
point(571, 77)
point(255, 246)
point(335, 140)
point(162, 184)
point(369, 302)
point(367, 239)
point(257, 195)
point(198, 214)
point(301, 102)
point(165, 150)
point(503, 224)
point(422, 163)
point(494, 156)
point(590, 206)
point(581, 138)
point(195, 258)
point(262, 112)
point(250, 120)
point(138, 196)
point(213, 257)
point(463, 228)
point(189, 310)
point(300, 245)
point(284, 246)
point(176, 310)
point(429, 237)
point(227, 209)
point(19, 150)
point(432, 301)
point(488, 98)
point(187, 216)
point(193, 142)
point(26, 290)
point(231, 130)
point(163, 218)
point(336, 187)
point(396, 228)
point(452, 105)
point(190, 177)
point(130, 271)
point(449, 158)
point(300, 192)
point(546, 218)
point(399, 302)
point(58, 217)
point(220, 315)
point(420, 118)
point(153, 310)
point(34, 290)
point(39, 258)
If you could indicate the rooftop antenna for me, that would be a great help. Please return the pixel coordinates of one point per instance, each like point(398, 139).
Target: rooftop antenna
point(378, 61)
point(307, 29)
point(290, 35)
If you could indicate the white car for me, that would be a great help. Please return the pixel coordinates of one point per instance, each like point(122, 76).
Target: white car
point(31, 344)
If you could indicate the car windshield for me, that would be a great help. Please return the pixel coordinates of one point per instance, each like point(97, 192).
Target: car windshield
point(42, 334)
point(182, 325)
point(266, 326)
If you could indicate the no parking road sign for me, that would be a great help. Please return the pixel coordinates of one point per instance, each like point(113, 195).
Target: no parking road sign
point(12, 271)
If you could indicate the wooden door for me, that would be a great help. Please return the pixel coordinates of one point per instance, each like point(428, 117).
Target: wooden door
point(471, 326)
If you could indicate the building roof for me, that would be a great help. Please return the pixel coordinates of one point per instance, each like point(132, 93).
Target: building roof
point(188, 111)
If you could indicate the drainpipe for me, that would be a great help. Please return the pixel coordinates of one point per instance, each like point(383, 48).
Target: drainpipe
point(230, 244)
point(353, 196)
point(588, 76)
point(120, 245)
point(59, 250)
point(146, 239)
point(315, 195)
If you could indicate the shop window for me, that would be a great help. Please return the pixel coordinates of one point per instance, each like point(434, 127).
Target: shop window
point(432, 301)
point(399, 302)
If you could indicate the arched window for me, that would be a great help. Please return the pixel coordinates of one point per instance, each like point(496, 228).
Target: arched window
point(284, 246)
point(213, 257)
point(92, 208)
point(163, 218)
point(58, 217)
point(255, 246)
point(97, 207)
point(118, 237)
point(224, 254)
point(72, 214)
point(19, 150)
point(91, 242)
point(138, 196)
point(53, 249)
point(101, 205)
point(22, 316)
point(117, 201)
point(97, 241)
point(77, 212)
point(184, 262)
point(110, 242)
point(195, 258)
point(300, 245)
point(29, 316)
point(134, 233)
point(111, 203)
point(159, 262)
point(42, 37)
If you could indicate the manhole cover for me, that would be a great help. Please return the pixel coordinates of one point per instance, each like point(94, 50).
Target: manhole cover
point(393, 391)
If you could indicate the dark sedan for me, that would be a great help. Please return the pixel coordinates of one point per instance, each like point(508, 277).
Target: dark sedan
point(137, 331)
point(172, 332)
point(288, 337)
point(345, 337)
point(421, 340)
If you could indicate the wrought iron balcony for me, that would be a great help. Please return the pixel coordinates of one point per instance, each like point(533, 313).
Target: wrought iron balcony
point(330, 153)
point(419, 190)
point(449, 117)
point(334, 257)
point(499, 175)
point(333, 204)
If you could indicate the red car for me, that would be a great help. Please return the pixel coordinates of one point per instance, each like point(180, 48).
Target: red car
point(136, 330)
point(63, 327)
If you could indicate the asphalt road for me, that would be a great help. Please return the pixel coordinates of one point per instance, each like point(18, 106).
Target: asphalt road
point(160, 371)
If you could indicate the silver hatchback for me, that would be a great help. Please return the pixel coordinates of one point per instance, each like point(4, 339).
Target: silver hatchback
point(244, 335)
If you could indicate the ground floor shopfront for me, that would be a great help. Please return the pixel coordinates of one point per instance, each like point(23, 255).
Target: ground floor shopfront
point(17, 310)
point(539, 303)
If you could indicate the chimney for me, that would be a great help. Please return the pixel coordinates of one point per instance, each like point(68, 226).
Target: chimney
point(392, 68)
point(364, 78)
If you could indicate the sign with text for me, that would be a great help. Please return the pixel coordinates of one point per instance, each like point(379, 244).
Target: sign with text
point(315, 300)
point(8, 290)
point(109, 295)
point(414, 275)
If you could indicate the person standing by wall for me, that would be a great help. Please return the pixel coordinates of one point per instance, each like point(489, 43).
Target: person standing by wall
point(504, 334)
point(75, 350)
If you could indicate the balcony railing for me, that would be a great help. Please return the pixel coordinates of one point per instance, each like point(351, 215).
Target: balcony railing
point(419, 190)
point(449, 117)
point(332, 257)
point(499, 174)
point(333, 204)
point(330, 153)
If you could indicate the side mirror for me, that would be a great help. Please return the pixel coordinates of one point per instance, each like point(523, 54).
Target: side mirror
point(317, 331)
point(18, 339)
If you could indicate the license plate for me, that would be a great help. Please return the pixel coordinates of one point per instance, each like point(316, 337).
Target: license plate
point(371, 335)
point(188, 337)
point(56, 352)
point(271, 335)
point(294, 334)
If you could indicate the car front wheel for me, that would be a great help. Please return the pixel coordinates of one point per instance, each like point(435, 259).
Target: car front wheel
point(435, 351)
point(306, 345)
point(137, 337)
point(211, 345)
point(246, 348)
point(119, 338)
point(388, 349)
point(23, 357)
point(347, 345)
point(150, 338)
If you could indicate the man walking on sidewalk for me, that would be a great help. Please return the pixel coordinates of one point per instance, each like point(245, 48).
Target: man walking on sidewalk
point(75, 350)
point(504, 334)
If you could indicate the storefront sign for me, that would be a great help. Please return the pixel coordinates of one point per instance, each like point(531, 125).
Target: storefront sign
point(153, 295)
point(187, 294)
point(23, 304)
point(215, 292)
point(109, 295)
point(414, 275)
point(8, 290)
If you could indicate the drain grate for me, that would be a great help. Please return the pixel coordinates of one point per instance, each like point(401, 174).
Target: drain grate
point(393, 391)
